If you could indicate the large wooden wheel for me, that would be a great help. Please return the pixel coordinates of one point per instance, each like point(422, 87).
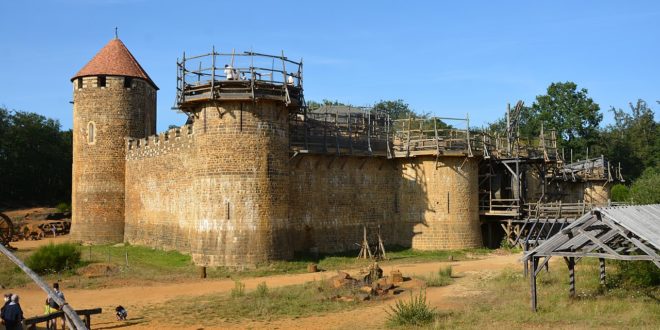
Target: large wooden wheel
point(6, 229)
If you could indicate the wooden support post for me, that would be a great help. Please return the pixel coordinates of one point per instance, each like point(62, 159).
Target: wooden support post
point(602, 270)
point(526, 268)
point(532, 282)
point(571, 276)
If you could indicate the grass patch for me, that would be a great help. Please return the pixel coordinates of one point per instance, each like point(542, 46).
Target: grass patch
point(10, 275)
point(413, 312)
point(238, 290)
point(505, 302)
point(442, 277)
point(263, 303)
point(139, 265)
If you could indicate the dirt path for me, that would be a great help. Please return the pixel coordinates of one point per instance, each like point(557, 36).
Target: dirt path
point(134, 297)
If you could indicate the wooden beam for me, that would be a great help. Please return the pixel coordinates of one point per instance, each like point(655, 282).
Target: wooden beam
point(571, 276)
point(71, 314)
point(532, 283)
point(602, 271)
point(595, 255)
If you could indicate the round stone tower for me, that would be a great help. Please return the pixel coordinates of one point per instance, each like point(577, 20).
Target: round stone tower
point(113, 98)
point(240, 115)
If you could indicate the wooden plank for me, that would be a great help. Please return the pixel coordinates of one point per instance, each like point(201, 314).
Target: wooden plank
point(532, 283)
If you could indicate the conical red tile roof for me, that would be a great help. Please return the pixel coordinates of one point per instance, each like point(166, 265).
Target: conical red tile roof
point(114, 60)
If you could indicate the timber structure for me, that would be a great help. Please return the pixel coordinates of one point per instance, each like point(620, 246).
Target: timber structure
point(628, 233)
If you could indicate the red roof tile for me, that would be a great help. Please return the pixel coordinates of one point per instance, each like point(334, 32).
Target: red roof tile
point(114, 60)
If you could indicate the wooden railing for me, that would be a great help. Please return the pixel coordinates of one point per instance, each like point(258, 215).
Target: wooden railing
point(58, 317)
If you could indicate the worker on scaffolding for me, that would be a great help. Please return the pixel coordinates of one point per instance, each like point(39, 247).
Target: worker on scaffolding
point(230, 72)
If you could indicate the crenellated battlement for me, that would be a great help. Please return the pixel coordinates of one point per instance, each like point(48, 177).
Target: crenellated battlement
point(172, 140)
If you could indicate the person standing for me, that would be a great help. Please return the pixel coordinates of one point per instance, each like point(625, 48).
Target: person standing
point(51, 302)
point(230, 73)
point(12, 314)
point(52, 305)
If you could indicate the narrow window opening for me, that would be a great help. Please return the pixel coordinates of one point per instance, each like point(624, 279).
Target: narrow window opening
point(128, 82)
point(80, 83)
point(101, 81)
point(91, 133)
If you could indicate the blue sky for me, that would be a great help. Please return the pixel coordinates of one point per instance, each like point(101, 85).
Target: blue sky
point(447, 58)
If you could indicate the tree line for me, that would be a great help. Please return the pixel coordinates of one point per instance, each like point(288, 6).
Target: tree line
point(35, 160)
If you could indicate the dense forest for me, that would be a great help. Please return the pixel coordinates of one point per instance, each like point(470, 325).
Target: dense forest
point(35, 160)
point(36, 155)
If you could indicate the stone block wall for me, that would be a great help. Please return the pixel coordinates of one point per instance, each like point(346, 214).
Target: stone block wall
point(332, 198)
point(160, 199)
point(220, 193)
point(241, 180)
point(108, 113)
point(441, 200)
point(597, 192)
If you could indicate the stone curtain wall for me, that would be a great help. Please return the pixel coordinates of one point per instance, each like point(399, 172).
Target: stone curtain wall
point(332, 198)
point(160, 199)
point(98, 168)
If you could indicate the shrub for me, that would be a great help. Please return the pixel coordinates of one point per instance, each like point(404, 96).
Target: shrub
point(54, 258)
point(63, 207)
point(635, 274)
point(620, 193)
point(413, 312)
point(262, 290)
point(441, 278)
point(238, 290)
point(646, 189)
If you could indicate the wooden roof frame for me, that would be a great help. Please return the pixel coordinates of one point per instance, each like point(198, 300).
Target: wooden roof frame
point(618, 233)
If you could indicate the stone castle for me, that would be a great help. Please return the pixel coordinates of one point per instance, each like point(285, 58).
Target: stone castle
point(255, 175)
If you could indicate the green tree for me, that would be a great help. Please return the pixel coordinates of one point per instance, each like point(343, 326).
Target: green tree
point(397, 109)
point(35, 159)
point(568, 110)
point(632, 140)
point(646, 189)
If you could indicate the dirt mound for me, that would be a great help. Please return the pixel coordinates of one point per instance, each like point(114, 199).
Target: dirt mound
point(98, 270)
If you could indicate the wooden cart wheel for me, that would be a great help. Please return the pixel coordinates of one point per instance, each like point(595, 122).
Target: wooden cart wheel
point(6, 229)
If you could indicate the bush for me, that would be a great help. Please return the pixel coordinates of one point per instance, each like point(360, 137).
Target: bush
point(63, 207)
point(414, 312)
point(635, 274)
point(441, 278)
point(238, 290)
point(262, 290)
point(54, 258)
point(620, 193)
point(646, 189)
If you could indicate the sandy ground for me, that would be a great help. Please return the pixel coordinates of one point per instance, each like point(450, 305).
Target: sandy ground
point(371, 317)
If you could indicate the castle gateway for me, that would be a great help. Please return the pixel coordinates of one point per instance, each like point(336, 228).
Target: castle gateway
point(255, 175)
